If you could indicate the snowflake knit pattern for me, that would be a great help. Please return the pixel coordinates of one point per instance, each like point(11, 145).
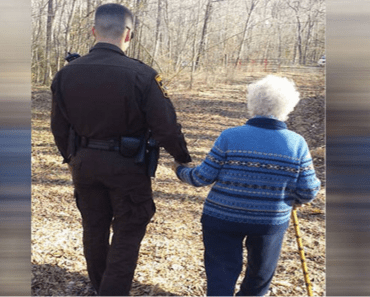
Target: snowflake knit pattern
point(259, 170)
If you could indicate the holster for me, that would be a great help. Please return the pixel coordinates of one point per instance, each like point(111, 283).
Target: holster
point(132, 146)
point(143, 152)
point(152, 156)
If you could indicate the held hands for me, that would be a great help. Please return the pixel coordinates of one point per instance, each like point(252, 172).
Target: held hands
point(175, 165)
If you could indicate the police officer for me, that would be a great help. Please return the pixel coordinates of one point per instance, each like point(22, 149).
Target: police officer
point(98, 100)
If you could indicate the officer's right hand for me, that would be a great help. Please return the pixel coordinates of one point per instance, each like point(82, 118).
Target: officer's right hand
point(175, 165)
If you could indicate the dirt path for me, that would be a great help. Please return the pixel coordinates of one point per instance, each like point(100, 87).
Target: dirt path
point(171, 258)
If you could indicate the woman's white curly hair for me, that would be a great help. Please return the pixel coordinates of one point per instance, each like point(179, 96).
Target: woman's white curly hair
point(272, 96)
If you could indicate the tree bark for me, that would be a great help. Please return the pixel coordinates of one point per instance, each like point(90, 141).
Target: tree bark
point(194, 53)
point(158, 33)
point(49, 28)
point(204, 33)
point(253, 4)
point(57, 43)
point(88, 7)
point(133, 50)
point(68, 28)
point(36, 41)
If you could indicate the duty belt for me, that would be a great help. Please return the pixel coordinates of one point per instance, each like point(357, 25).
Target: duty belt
point(107, 145)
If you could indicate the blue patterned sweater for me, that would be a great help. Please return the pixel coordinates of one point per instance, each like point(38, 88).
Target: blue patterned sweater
point(259, 171)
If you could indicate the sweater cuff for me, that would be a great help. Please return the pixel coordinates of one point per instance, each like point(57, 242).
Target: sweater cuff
point(178, 169)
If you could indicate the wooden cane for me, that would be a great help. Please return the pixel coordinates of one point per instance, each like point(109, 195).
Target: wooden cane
point(301, 251)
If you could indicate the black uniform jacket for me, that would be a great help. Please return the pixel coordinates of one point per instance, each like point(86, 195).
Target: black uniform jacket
point(107, 94)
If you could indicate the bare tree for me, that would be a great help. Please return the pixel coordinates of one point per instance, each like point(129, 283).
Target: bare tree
point(37, 40)
point(251, 4)
point(177, 35)
point(194, 54)
point(56, 39)
point(313, 10)
point(68, 27)
point(49, 34)
point(306, 14)
point(207, 17)
point(276, 14)
point(158, 33)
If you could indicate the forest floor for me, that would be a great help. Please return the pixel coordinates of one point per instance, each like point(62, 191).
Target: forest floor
point(171, 255)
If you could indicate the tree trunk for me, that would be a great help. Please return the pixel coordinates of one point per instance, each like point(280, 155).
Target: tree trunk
point(68, 28)
point(245, 31)
point(57, 52)
point(57, 43)
point(36, 45)
point(204, 33)
point(294, 53)
point(158, 34)
point(37, 58)
point(79, 45)
point(139, 41)
point(193, 64)
point(311, 24)
point(279, 47)
point(193, 54)
point(88, 7)
point(135, 43)
point(89, 23)
point(169, 38)
point(299, 40)
point(49, 28)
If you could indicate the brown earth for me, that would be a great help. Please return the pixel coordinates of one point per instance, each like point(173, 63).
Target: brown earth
point(171, 257)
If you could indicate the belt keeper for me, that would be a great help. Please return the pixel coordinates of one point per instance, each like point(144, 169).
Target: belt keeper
point(112, 144)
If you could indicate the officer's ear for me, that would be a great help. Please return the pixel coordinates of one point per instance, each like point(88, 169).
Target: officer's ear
point(93, 31)
point(128, 35)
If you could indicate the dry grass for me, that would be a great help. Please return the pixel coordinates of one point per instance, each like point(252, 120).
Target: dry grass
point(171, 257)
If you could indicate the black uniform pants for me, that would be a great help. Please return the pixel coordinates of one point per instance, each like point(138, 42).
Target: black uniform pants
point(111, 191)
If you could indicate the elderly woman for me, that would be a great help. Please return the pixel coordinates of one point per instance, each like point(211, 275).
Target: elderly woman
point(260, 171)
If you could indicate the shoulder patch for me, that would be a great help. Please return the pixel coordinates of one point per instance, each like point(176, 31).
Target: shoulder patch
point(158, 79)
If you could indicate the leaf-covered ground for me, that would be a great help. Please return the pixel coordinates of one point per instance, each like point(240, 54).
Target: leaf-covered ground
point(171, 256)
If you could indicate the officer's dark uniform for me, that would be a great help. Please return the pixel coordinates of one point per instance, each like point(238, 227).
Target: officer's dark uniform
point(107, 95)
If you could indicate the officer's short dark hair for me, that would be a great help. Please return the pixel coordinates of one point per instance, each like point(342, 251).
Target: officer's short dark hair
point(112, 19)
